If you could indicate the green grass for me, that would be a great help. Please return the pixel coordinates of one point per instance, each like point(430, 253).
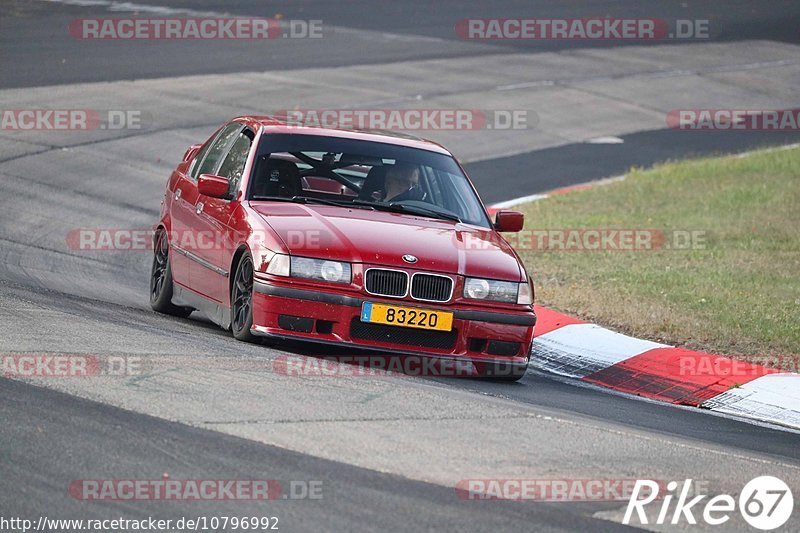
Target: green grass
point(739, 294)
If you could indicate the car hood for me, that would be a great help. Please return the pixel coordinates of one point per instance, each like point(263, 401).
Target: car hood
point(383, 238)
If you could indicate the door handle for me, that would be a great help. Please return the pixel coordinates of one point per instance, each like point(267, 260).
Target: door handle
point(178, 194)
point(199, 208)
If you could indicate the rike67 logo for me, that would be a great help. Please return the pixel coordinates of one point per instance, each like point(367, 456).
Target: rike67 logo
point(766, 503)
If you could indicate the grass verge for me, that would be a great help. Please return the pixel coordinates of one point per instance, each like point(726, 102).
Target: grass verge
point(725, 278)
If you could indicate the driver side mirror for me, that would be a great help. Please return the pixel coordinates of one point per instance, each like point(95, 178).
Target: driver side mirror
point(509, 221)
point(213, 186)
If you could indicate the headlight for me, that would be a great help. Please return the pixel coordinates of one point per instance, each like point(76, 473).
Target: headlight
point(497, 291)
point(320, 269)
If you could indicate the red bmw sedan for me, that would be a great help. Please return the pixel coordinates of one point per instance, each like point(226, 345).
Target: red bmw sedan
point(347, 238)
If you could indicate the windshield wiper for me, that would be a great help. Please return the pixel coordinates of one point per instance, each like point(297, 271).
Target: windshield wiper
point(424, 211)
point(272, 198)
point(400, 207)
point(310, 200)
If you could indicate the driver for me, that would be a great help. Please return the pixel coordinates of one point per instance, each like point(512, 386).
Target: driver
point(402, 181)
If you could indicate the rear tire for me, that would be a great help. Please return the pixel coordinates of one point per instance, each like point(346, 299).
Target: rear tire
point(161, 280)
point(242, 300)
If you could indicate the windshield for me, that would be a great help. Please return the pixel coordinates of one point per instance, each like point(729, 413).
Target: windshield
point(318, 169)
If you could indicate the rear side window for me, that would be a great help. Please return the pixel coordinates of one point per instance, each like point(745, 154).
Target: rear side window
point(211, 156)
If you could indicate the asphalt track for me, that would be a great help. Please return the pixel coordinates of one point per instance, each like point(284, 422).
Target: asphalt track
point(103, 442)
point(388, 450)
point(551, 168)
point(41, 53)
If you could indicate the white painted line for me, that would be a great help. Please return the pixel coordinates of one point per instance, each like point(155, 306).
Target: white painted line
point(753, 66)
point(132, 7)
point(534, 197)
point(664, 74)
point(386, 36)
point(606, 140)
point(517, 201)
point(767, 150)
point(525, 85)
point(774, 398)
point(577, 350)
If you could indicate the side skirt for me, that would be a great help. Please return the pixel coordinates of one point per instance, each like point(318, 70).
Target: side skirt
point(183, 297)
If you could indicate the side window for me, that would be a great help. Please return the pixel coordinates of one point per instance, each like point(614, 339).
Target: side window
point(233, 165)
point(217, 149)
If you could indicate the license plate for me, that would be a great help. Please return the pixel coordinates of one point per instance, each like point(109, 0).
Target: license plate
point(409, 317)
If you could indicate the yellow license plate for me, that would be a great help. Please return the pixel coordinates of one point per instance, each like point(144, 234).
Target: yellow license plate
point(410, 317)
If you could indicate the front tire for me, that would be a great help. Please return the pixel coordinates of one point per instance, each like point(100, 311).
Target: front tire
point(161, 280)
point(242, 300)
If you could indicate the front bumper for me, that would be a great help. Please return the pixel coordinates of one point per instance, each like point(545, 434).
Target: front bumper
point(482, 337)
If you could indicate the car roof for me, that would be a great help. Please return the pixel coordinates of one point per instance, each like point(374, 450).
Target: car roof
point(269, 124)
